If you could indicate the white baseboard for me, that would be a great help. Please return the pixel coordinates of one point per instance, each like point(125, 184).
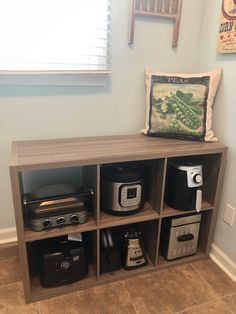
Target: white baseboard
point(8, 235)
point(223, 261)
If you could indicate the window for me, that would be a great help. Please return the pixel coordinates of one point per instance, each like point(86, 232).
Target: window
point(52, 37)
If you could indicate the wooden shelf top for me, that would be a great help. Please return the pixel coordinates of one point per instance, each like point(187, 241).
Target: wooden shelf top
point(163, 263)
point(145, 214)
point(40, 293)
point(122, 273)
point(56, 153)
point(56, 232)
point(169, 211)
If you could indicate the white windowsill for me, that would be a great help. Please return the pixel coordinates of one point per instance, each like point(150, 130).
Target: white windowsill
point(71, 78)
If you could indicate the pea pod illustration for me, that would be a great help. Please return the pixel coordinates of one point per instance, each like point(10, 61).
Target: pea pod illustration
point(183, 113)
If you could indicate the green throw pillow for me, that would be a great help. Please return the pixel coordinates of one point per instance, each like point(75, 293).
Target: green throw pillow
point(180, 105)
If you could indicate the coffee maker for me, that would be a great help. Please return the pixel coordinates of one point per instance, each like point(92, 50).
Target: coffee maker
point(184, 186)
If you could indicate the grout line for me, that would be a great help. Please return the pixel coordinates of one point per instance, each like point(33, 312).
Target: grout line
point(39, 308)
point(208, 284)
point(130, 298)
point(193, 307)
point(215, 292)
point(204, 303)
point(134, 307)
point(229, 294)
point(12, 283)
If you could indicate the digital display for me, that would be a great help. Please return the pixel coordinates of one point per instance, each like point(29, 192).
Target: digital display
point(131, 193)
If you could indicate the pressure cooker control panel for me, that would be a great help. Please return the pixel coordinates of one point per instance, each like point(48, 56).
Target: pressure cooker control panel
point(130, 194)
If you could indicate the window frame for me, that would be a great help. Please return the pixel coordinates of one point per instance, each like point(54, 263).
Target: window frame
point(42, 77)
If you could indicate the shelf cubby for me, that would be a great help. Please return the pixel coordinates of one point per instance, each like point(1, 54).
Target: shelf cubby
point(39, 292)
point(149, 232)
point(154, 174)
point(77, 176)
point(202, 245)
point(211, 168)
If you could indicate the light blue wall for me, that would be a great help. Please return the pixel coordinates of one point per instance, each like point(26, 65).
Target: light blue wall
point(54, 112)
point(224, 118)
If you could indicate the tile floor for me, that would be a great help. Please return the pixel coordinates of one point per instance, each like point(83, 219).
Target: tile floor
point(199, 287)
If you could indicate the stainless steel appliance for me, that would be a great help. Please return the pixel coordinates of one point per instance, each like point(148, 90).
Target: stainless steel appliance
point(184, 186)
point(134, 251)
point(122, 188)
point(56, 205)
point(179, 236)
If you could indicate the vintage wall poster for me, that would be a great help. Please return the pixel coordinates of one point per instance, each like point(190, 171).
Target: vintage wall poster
point(227, 31)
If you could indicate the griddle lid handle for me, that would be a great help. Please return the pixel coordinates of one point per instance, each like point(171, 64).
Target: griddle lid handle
point(185, 237)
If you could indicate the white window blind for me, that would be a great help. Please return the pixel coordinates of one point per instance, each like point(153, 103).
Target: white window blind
point(54, 35)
